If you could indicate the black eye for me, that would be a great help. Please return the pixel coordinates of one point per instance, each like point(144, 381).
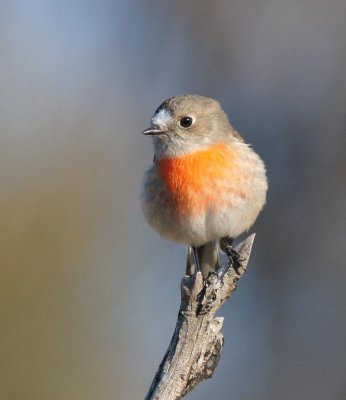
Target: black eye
point(186, 122)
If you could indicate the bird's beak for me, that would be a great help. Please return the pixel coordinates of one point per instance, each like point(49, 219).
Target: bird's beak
point(154, 130)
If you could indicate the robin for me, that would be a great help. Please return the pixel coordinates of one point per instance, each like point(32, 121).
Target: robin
point(206, 185)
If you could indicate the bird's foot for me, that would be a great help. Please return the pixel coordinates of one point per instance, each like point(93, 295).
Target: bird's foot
point(235, 260)
point(233, 256)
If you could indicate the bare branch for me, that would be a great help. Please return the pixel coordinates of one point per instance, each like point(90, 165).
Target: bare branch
point(197, 342)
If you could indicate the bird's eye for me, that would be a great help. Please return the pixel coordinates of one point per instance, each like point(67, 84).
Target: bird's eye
point(186, 122)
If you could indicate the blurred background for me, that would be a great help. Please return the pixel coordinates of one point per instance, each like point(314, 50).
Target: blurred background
point(89, 294)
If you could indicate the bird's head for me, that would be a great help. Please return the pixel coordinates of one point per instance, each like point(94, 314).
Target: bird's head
point(188, 123)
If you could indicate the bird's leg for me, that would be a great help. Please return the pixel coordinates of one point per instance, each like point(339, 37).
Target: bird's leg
point(232, 255)
point(226, 244)
point(204, 258)
point(195, 253)
point(190, 262)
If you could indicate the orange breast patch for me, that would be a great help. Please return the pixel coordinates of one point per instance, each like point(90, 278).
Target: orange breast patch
point(203, 179)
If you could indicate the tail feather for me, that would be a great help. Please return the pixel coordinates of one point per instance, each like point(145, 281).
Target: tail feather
point(208, 256)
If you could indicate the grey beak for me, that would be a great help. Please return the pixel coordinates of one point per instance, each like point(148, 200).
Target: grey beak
point(154, 130)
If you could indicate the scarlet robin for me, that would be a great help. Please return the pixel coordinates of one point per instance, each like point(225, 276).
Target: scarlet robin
point(206, 184)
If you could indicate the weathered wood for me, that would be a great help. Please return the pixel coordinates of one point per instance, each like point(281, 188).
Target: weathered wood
point(197, 342)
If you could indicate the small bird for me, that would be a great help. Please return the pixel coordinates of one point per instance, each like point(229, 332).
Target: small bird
point(206, 185)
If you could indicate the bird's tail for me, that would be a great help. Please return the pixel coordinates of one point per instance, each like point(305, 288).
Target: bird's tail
point(208, 257)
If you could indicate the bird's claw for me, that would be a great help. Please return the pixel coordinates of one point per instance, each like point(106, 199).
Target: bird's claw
point(234, 259)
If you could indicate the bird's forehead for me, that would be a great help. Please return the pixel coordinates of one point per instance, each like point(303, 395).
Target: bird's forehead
point(162, 117)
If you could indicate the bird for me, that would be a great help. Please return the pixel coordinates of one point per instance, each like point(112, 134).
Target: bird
point(206, 186)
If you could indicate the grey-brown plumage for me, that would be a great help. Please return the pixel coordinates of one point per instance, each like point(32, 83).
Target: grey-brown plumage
point(206, 182)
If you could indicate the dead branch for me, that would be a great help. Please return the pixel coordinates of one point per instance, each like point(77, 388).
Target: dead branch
point(197, 342)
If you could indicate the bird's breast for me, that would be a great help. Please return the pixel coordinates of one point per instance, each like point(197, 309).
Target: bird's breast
point(204, 180)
